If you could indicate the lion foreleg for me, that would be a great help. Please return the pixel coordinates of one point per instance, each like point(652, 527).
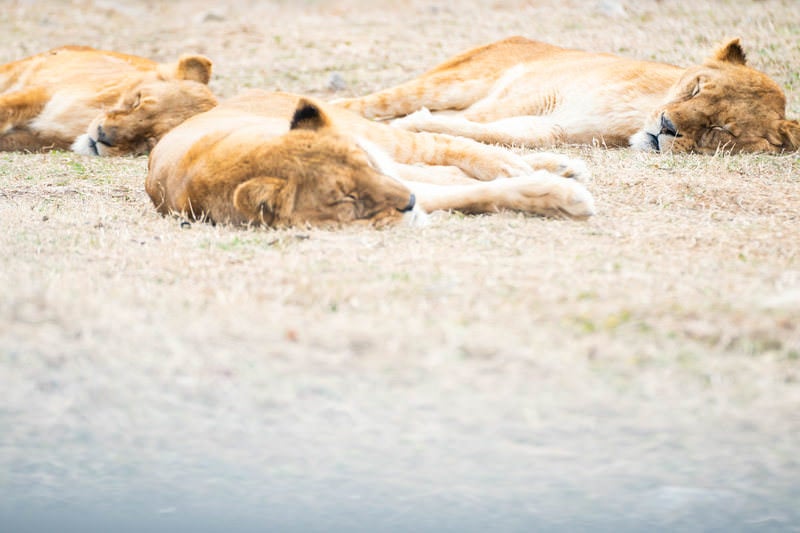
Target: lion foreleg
point(439, 174)
point(478, 161)
point(528, 131)
point(541, 193)
point(565, 166)
point(18, 108)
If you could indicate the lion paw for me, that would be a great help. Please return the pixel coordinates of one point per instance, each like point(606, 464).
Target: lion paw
point(575, 169)
point(416, 121)
point(564, 166)
point(571, 198)
point(580, 202)
point(546, 193)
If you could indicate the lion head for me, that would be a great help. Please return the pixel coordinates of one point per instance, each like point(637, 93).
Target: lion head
point(240, 170)
point(148, 110)
point(722, 104)
point(322, 177)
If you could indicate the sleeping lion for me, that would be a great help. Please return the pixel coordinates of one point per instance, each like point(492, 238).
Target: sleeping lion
point(278, 159)
point(61, 99)
point(527, 93)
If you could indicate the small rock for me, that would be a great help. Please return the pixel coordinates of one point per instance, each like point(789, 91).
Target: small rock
point(212, 15)
point(336, 82)
point(611, 8)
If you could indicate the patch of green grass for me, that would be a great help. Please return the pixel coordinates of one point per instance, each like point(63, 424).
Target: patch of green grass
point(77, 167)
point(615, 320)
point(232, 244)
point(585, 324)
point(400, 276)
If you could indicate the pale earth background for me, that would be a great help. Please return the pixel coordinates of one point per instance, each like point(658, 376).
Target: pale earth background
point(637, 372)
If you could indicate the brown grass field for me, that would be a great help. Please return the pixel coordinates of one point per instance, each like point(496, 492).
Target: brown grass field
point(636, 372)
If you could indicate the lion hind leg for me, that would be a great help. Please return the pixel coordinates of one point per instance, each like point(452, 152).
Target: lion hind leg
point(24, 140)
point(515, 94)
point(18, 108)
point(437, 91)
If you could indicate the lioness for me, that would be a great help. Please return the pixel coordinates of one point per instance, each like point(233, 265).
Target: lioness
point(528, 93)
point(278, 159)
point(76, 97)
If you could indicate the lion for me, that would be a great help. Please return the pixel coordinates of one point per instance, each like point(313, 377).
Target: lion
point(278, 159)
point(527, 93)
point(98, 102)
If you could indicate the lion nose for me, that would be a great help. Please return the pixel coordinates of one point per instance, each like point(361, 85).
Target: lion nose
point(668, 127)
point(104, 136)
point(101, 135)
point(411, 203)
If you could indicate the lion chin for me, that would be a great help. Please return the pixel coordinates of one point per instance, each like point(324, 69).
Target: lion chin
point(656, 136)
point(85, 145)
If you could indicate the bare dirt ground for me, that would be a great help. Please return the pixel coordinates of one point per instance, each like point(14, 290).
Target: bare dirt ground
point(637, 372)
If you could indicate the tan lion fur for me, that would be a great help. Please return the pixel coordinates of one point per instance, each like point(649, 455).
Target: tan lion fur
point(49, 100)
point(279, 159)
point(527, 93)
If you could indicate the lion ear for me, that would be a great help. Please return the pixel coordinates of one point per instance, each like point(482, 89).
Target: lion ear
point(308, 116)
point(259, 199)
point(194, 68)
point(790, 134)
point(732, 52)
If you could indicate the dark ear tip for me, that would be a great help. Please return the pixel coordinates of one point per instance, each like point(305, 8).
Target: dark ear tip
point(732, 52)
point(196, 58)
point(305, 114)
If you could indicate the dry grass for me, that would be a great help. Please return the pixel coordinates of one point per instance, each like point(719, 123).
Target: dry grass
point(639, 370)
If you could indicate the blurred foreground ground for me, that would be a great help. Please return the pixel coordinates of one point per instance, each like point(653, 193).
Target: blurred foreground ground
point(638, 372)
